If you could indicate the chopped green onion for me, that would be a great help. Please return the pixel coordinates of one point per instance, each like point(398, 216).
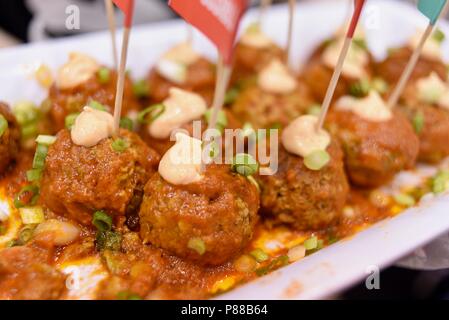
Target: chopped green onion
point(360, 43)
point(26, 233)
point(108, 240)
point(3, 125)
point(418, 122)
point(32, 215)
point(97, 105)
point(360, 88)
point(440, 182)
point(40, 156)
point(438, 36)
point(125, 295)
point(404, 199)
point(317, 160)
point(29, 130)
point(198, 245)
point(275, 264)
point(34, 175)
point(231, 95)
point(259, 255)
point(70, 120)
point(28, 195)
point(26, 112)
point(151, 113)
point(104, 75)
point(222, 119)
point(213, 149)
point(311, 243)
point(141, 89)
point(119, 145)
point(244, 164)
point(380, 85)
point(45, 140)
point(102, 221)
point(314, 110)
point(126, 123)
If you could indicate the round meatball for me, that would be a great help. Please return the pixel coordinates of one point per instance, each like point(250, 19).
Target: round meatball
point(433, 131)
point(374, 151)
point(267, 110)
point(77, 181)
point(392, 67)
point(9, 140)
point(208, 222)
point(200, 79)
point(25, 275)
point(317, 76)
point(248, 60)
point(66, 101)
point(304, 198)
point(162, 145)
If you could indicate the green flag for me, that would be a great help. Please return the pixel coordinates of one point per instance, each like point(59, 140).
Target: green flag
point(431, 9)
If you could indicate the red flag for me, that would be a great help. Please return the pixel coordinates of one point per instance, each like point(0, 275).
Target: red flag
point(127, 6)
point(217, 19)
point(358, 7)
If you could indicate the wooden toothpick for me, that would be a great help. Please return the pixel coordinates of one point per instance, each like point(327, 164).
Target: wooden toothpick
point(291, 17)
point(112, 27)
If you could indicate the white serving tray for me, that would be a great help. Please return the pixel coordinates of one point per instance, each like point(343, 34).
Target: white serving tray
point(387, 23)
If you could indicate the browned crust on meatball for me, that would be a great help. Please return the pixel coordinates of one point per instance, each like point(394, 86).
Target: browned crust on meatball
point(25, 274)
point(200, 79)
point(267, 110)
point(77, 181)
point(10, 140)
point(67, 101)
point(221, 210)
point(392, 67)
point(303, 198)
point(374, 151)
point(248, 61)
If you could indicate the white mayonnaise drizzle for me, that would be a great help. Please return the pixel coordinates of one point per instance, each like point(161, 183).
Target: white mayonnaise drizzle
point(92, 126)
point(181, 164)
point(276, 78)
point(76, 71)
point(371, 108)
point(174, 63)
point(180, 107)
point(355, 63)
point(300, 137)
point(433, 90)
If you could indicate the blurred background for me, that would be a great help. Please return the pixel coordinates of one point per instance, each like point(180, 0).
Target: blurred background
point(23, 21)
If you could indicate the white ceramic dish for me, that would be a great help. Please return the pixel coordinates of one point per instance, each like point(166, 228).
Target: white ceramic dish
point(333, 268)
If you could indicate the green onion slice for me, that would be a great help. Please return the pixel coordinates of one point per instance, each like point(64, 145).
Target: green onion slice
point(34, 175)
point(440, 182)
point(317, 160)
point(70, 120)
point(39, 156)
point(311, 243)
point(151, 113)
point(3, 125)
point(119, 145)
point(141, 89)
point(259, 255)
point(314, 110)
point(418, 122)
point(28, 195)
point(104, 75)
point(404, 199)
point(244, 164)
point(222, 119)
point(45, 140)
point(32, 215)
point(198, 245)
point(438, 36)
point(126, 123)
point(97, 105)
point(108, 240)
point(102, 221)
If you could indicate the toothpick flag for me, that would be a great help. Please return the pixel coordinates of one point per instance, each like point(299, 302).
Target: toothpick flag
point(127, 6)
point(358, 7)
point(432, 9)
point(217, 19)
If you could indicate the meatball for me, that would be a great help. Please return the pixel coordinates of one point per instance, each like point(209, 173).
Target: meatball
point(433, 130)
point(25, 275)
point(9, 139)
point(248, 60)
point(77, 181)
point(374, 151)
point(317, 76)
point(304, 198)
point(200, 79)
point(66, 101)
point(392, 67)
point(267, 110)
point(162, 145)
point(208, 222)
